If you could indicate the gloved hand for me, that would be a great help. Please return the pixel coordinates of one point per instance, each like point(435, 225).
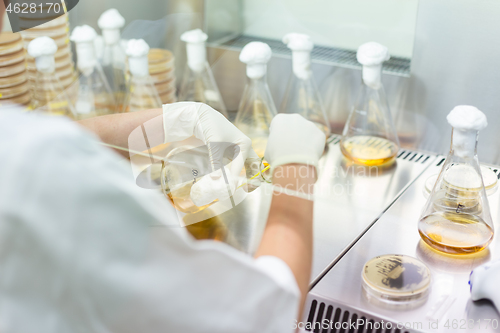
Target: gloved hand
point(182, 120)
point(293, 139)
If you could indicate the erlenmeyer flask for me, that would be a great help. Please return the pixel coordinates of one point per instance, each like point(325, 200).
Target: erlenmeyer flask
point(257, 107)
point(456, 218)
point(94, 96)
point(198, 83)
point(302, 94)
point(48, 93)
point(141, 92)
point(113, 56)
point(369, 137)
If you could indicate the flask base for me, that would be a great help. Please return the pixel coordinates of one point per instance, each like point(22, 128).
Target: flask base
point(455, 233)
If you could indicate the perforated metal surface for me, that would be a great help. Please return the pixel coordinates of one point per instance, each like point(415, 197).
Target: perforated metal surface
point(327, 316)
point(321, 54)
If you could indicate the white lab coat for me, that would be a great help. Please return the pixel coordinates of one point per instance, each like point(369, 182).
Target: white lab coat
point(82, 249)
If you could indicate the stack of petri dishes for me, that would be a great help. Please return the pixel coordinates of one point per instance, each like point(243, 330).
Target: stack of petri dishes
point(14, 87)
point(58, 30)
point(162, 71)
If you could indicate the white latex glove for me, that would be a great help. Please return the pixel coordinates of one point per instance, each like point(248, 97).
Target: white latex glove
point(185, 119)
point(293, 139)
point(484, 283)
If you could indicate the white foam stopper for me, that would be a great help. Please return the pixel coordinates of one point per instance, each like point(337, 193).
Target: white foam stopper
point(301, 46)
point(466, 121)
point(256, 55)
point(371, 55)
point(84, 37)
point(137, 52)
point(110, 23)
point(195, 48)
point(83, 33)
point(43, 50)
point(111, 19)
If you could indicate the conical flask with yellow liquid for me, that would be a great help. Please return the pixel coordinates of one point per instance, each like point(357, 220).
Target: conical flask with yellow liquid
point(257, 107)
point(456, 218)
point(369, 137)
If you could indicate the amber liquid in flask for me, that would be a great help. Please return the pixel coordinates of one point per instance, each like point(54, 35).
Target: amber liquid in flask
point(457, 219)
point(369, 137)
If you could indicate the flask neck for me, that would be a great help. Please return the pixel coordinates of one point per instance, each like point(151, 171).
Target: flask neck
point(260, 81)
point(45, 64)
point(196, 56)
point(139, 66)
point(111, 36)
point(301, 61)
point(464, 142)
point(372, 76)
point(256, 71)
point(86, 57)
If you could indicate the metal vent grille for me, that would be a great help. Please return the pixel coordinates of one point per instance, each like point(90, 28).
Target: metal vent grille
point(340, 320)
point(326, 55)
point(412, 156)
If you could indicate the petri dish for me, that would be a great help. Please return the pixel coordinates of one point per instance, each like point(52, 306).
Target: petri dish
point(13, 58)
point(14, 91)
point(14, 80)
point(51, 32)
point(13, 69)
point(168, 97)
point(396, 281)
point(490, 180)
point(28, 22)
point(165, 87)
point(23, 99)
point(163, 76)
point(10, 43)
point(160, 61)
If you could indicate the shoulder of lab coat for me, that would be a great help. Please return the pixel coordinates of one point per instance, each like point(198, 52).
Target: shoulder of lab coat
point(82, 249)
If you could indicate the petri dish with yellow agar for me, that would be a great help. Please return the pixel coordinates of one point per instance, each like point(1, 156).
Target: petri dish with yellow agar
point(396, 281)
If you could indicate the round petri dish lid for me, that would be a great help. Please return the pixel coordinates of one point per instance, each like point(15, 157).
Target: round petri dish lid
point(12, 69)
point(490, 180)
point(14, 80)
point(10, 43)
point(53, 32)
point(13, 58)
point(163, 76)
point(462, 177)
point(160, 61)
point(22, 99)
point(31, 23)
point(14, 91)
point(7, 38)
point(165, 87)
point(396, 279)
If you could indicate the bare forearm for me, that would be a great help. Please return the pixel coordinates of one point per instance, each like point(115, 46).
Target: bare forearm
point(288, 234)
point(115, 129)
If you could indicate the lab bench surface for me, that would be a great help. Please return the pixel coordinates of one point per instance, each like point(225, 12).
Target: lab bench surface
point(338, 295)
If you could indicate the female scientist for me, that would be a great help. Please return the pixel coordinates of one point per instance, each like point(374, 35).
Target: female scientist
point(84, 249)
